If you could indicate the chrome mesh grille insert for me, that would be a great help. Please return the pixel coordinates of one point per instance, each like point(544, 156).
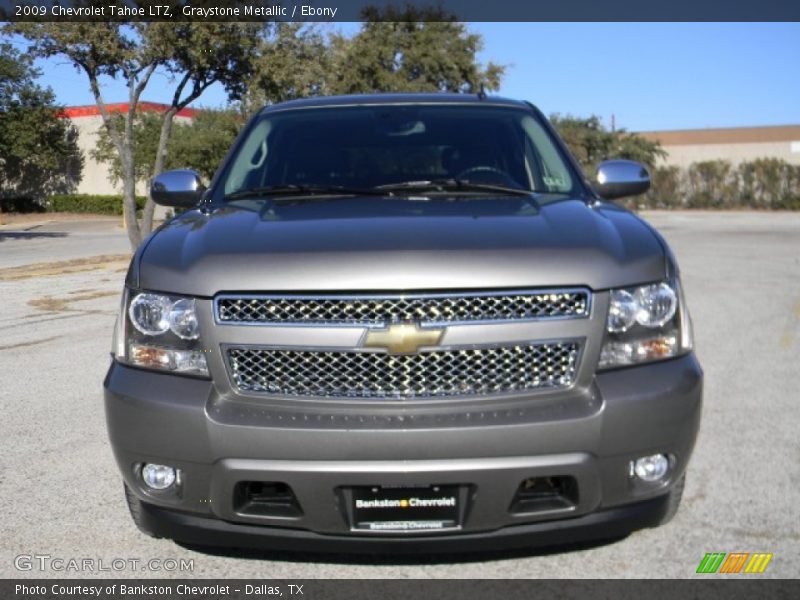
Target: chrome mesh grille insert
point(438, 373)
point(422, 308)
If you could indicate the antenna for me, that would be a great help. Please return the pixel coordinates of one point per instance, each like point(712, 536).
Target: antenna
point(482, 91)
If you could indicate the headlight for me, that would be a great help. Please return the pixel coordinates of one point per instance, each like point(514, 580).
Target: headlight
point(645, 323)
point(183, 319)
point(154, 314)
point(656, 305)
point(622, 311)
point(149, 313)
point(160, 332)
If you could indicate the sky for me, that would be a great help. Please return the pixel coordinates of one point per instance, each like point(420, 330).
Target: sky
point(650, 76)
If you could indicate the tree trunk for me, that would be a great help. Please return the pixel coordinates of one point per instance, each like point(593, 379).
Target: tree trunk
point(158, 167)
point(123, 141)
point(129, 198)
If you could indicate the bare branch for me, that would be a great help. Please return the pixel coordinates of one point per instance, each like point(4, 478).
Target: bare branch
point(179, 90)
point(137, 92)
point(197, 91)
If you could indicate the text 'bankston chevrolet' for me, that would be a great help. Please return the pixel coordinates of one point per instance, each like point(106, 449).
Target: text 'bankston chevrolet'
point(403, 323)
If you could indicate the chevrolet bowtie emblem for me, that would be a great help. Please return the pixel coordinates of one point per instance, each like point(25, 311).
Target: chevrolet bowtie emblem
point(404, 338)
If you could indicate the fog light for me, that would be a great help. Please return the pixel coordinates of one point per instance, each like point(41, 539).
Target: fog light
point(650, 468)
point(158, 477)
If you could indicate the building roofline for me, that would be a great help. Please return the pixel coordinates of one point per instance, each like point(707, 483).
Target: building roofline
point(92, 110)
point(725, 135)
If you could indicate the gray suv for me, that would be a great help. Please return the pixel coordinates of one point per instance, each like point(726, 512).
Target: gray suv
point(403, 323)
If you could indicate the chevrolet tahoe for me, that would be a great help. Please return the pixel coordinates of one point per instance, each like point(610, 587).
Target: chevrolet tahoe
point(403, 323)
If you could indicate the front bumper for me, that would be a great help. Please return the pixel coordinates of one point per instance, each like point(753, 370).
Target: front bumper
point(181, 422)
point(600, 525)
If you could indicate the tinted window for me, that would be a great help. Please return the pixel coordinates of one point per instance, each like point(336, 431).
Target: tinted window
point(370, 146)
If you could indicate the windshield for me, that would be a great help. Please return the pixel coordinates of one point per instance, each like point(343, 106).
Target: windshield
point(366, 147)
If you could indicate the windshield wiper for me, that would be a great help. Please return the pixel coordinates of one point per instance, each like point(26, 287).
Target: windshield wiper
point(298, 190)
point(449, 185)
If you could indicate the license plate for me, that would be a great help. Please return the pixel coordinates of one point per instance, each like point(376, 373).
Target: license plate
point(426, 508)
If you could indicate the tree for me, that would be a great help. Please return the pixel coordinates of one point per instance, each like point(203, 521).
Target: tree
point(405, 50)
point(410, 50)
point(591, 143)
point(294, 62)
point(194, 56)
point(39, 154)
point(200, 144)
point(202, 54)
point(146, 133)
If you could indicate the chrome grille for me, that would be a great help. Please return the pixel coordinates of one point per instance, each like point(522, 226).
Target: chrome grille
point(422, 308)
point(438, 373)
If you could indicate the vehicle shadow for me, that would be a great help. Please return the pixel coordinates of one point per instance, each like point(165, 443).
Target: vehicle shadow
point(397, 559)
point(28, 235)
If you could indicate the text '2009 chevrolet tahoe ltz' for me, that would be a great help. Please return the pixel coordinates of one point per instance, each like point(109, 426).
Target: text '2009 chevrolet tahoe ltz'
point(405, 323)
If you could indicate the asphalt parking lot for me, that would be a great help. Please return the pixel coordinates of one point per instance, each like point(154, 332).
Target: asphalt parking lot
point(62, 495)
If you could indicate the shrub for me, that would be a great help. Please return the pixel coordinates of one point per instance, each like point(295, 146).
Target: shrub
point(666, 190)
point(769, 183)
point(763, 184)
point(711, 184)
point(86, 203)
point(21, 205)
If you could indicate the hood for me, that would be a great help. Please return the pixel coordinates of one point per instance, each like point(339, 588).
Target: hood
point(377, 244)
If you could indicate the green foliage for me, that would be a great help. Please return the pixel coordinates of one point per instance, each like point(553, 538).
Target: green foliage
point(395, 51)
point(591, 143)
point(200, 54)
point(401, 52)
point(256, 63)
point(23, 204)
point(295, 61)
point(194, 56)
point(763, 183)
point(86, 203)
point(770, 183)
point(665, 191)
point(199, 144)
point(39, 154)
point(146, 129)
point(202, 144)
point(711, 184)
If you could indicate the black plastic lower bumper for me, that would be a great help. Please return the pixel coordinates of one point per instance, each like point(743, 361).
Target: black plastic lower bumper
point(606, 524)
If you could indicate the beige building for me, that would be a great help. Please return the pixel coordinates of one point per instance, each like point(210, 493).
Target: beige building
point(95, 178)
point(736, 144)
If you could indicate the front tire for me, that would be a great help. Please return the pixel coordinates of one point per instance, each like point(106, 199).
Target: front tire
point(674, 500)
point(135, 508)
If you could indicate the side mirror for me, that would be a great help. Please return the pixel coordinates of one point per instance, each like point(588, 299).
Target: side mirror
point(620, 178)
point(181, 188)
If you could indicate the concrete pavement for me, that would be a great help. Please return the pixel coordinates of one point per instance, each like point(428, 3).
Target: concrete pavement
point(26, 243)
